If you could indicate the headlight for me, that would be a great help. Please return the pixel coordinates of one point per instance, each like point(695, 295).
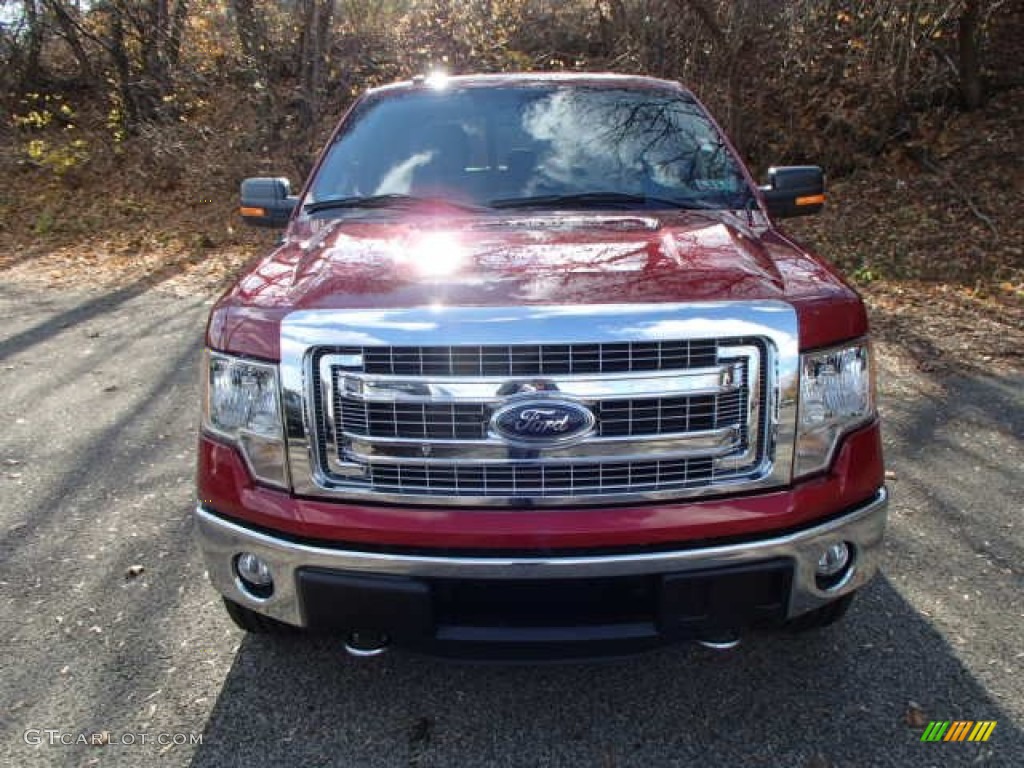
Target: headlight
point(836, 395)
point(241, 404)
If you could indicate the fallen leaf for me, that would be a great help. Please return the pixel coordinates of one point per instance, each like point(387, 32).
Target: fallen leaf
point(134, 571)
point(915, 716)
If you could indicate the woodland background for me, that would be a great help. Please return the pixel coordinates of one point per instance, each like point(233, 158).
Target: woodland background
point(126, 125)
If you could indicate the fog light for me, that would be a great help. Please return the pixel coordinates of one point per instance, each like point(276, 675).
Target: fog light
point(834, 559)
point(255, 575)
point(834, 566)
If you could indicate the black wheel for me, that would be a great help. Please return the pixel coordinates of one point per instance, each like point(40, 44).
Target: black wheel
point(256, 623)
point(822, 617)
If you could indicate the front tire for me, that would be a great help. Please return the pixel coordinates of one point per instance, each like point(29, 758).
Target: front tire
point(256, 623)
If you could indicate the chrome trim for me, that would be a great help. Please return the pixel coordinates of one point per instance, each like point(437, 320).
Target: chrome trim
point(487, 389)
point(752, 420)
point(495, 451)
point(360, 449)
point(306, 331)
point(863, 527)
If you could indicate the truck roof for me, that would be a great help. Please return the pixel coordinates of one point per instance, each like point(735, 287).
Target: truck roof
point(608, 79)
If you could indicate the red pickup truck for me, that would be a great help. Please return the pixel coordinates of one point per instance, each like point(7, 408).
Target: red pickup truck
point(532, 373)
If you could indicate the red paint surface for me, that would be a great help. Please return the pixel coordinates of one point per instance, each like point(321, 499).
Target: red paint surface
point(856, 474)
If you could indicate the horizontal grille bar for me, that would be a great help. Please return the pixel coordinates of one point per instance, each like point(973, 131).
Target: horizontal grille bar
point(396, 450)
point(615, 418)
point(378, 388)
point(531, 360)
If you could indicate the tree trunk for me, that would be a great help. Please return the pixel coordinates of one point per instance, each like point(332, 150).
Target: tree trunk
point(323, 43)
point(176, 33)
point(728, 45)
point(315, 18)
point(251, 34)
point(30, 72)
point(69, 30)
point(136, 99)
point(972, 91)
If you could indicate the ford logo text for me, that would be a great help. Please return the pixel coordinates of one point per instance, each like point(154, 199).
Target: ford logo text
point(542, 423)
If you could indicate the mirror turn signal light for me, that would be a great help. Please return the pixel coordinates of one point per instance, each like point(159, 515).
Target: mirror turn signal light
point(811, 200)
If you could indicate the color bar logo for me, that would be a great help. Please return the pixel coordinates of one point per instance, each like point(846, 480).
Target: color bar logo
point(958, 730)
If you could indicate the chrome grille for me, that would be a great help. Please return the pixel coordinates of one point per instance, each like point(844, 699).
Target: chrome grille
point(673, 409)
point(415, 434)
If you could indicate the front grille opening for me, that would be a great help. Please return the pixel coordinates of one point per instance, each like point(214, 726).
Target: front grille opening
point(542, 479)
point(547, 603)
point(667, 415)
point(418, 421)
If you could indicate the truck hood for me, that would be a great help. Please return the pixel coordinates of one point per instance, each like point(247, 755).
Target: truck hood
point(386, 262)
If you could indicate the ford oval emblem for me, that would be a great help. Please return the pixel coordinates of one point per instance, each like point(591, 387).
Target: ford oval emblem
point(542, 422)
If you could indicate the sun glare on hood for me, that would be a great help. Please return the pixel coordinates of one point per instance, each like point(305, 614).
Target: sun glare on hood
point(436, 254)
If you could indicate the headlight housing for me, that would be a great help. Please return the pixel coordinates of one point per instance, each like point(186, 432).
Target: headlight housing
point(837, 395)
point(241, 404)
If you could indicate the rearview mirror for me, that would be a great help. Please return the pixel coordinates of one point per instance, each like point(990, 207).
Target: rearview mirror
point(794, 190)
point(267, 202)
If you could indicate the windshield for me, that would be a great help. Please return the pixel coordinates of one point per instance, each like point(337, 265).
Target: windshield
point(532, 145)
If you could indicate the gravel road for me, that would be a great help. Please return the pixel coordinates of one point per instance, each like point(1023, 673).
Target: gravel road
point(107, 625)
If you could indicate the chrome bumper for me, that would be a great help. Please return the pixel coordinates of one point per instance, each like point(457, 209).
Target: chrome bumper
point(221, 541)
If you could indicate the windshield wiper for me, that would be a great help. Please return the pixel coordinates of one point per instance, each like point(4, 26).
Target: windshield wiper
point(599, 199)
point(393, 200)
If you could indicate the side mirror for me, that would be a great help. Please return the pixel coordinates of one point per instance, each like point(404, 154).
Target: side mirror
point(267, 202)
point(794, 190)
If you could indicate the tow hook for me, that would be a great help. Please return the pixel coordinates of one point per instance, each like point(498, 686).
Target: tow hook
point(724, 641)
point(364, 645)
